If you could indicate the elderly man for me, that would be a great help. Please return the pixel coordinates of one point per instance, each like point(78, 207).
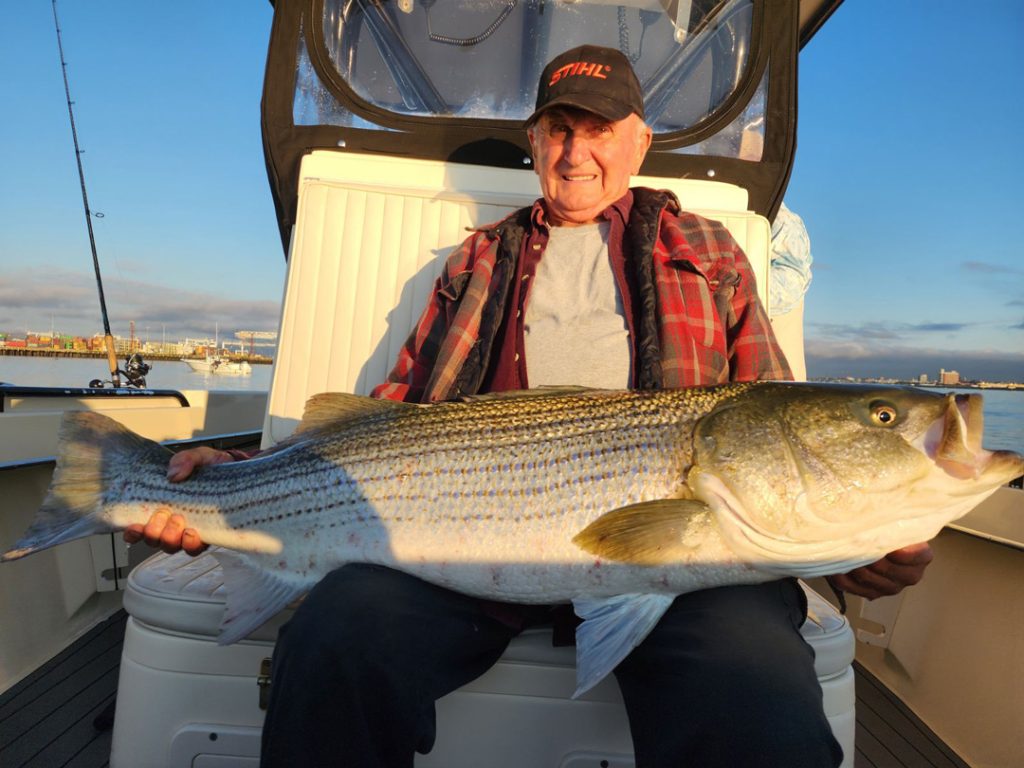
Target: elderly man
point(600, 285)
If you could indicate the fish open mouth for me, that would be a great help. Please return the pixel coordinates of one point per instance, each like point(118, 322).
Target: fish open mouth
point(954, 441)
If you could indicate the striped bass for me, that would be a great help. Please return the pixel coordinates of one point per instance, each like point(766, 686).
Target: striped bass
point(614, 501)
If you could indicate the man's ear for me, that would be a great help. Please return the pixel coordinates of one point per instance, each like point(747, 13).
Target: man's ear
point(531, 137)
point(643, 143)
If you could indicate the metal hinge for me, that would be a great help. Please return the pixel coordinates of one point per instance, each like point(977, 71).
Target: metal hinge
point(263, 681)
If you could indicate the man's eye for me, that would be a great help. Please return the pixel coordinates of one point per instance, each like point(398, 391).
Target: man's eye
point(558, 130)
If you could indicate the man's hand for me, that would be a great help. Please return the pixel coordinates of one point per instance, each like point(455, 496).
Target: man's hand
point(888, 576)
point(167, 531)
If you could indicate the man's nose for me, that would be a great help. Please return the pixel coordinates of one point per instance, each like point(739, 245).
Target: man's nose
point(577, 148)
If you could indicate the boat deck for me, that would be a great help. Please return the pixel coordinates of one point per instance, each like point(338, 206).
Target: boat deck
point(49, 719)
point(61, 714)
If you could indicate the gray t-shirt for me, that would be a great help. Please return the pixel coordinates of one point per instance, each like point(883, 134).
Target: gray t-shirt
point(575, 326)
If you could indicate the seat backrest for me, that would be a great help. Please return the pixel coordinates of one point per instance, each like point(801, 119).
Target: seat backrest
point(370, 236)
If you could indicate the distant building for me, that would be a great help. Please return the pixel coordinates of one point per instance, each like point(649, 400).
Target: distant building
point(922, 379)
point(948, 378)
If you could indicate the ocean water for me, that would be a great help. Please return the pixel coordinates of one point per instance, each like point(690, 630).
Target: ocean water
point(67, 372)
point(1004, 409)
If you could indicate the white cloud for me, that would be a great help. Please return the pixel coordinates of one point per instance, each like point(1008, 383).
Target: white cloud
point(34, 298)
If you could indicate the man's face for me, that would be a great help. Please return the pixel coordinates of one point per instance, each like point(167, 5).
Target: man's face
point(585, 161)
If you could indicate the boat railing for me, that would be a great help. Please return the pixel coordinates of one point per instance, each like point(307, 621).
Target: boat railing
point(244, 439)
point(177, 419)
point(10, 391)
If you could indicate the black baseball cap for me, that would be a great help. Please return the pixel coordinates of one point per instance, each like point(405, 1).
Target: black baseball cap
point(599, 80)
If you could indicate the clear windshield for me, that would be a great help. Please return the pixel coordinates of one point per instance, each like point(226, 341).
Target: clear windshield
point(482, 58)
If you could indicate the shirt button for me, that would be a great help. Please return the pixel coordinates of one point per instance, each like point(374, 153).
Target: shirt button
point(526, 277)
point(519, 313)
point(536, 246)
point(517, 357)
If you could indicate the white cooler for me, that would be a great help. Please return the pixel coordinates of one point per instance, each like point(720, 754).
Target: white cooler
point(183, 701)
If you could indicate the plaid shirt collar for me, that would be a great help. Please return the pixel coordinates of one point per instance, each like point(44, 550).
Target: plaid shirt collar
point(620, 208)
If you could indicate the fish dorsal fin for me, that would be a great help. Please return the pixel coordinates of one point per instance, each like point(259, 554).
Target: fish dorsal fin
point(333, 408)
point(648, 533)
point(611, 628)
point(547, 390)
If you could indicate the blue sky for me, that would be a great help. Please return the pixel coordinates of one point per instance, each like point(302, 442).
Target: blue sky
point(167, 110)
point(907, 176)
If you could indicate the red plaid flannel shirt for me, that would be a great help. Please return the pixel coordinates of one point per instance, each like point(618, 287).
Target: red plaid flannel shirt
point(713, 328)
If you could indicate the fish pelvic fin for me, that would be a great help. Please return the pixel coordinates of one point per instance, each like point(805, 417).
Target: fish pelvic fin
point(611, 628)
point(91, 448)
point(254, 595)
point(649, 533)
point(332, 408)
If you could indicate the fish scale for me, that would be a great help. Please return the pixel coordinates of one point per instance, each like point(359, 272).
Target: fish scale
point(615, 501)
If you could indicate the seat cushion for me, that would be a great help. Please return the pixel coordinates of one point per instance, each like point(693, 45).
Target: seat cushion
point(179, 594)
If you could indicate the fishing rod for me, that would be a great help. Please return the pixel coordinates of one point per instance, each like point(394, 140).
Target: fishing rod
point(108, 338)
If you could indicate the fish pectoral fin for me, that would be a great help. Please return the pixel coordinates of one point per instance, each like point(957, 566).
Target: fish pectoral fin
point(254, 595)
point(649, 533)
point(611, 628)
point(331, 408)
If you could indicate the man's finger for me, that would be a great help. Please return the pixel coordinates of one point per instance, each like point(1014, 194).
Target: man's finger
point(133, 533)
point(866, 584)
point(155, 527)
point(170, 537)
point(191, 542)
point(180, 466)
point(916, 554)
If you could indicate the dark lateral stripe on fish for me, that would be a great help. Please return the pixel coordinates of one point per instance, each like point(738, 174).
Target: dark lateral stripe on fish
point(525, 490)
point(246, 485)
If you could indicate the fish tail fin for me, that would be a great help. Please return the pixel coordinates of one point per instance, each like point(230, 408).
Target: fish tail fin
point(92, 447)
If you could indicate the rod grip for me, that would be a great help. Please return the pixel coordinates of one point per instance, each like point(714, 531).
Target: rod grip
point(108, 341)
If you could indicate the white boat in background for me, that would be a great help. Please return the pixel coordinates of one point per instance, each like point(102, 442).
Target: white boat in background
point(218, 364)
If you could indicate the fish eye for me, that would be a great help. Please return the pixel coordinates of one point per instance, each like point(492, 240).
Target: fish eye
point(883, 414)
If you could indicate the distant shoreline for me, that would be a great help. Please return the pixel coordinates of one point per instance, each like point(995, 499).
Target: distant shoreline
point(1009, 386)
point(79, 355)
point(261, 360)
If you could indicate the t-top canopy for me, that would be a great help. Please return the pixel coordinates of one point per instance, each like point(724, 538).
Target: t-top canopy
point(455, 79)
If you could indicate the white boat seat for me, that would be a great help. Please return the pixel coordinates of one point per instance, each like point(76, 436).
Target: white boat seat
point(183, 595)
point(179, 689)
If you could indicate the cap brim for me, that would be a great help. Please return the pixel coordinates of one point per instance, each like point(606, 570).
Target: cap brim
point(609, 109)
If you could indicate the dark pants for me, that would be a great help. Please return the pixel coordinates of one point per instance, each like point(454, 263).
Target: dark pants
point(724, 679)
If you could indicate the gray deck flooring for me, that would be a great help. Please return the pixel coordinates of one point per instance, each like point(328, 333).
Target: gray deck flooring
point(889, 735)
point(47, 720)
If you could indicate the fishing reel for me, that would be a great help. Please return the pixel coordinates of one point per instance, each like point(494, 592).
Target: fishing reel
point(134, 372)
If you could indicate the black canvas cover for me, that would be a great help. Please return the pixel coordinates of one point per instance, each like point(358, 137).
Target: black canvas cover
point(455, 80)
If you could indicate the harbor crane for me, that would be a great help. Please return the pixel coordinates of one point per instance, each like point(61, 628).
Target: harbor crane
point(267, 336)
